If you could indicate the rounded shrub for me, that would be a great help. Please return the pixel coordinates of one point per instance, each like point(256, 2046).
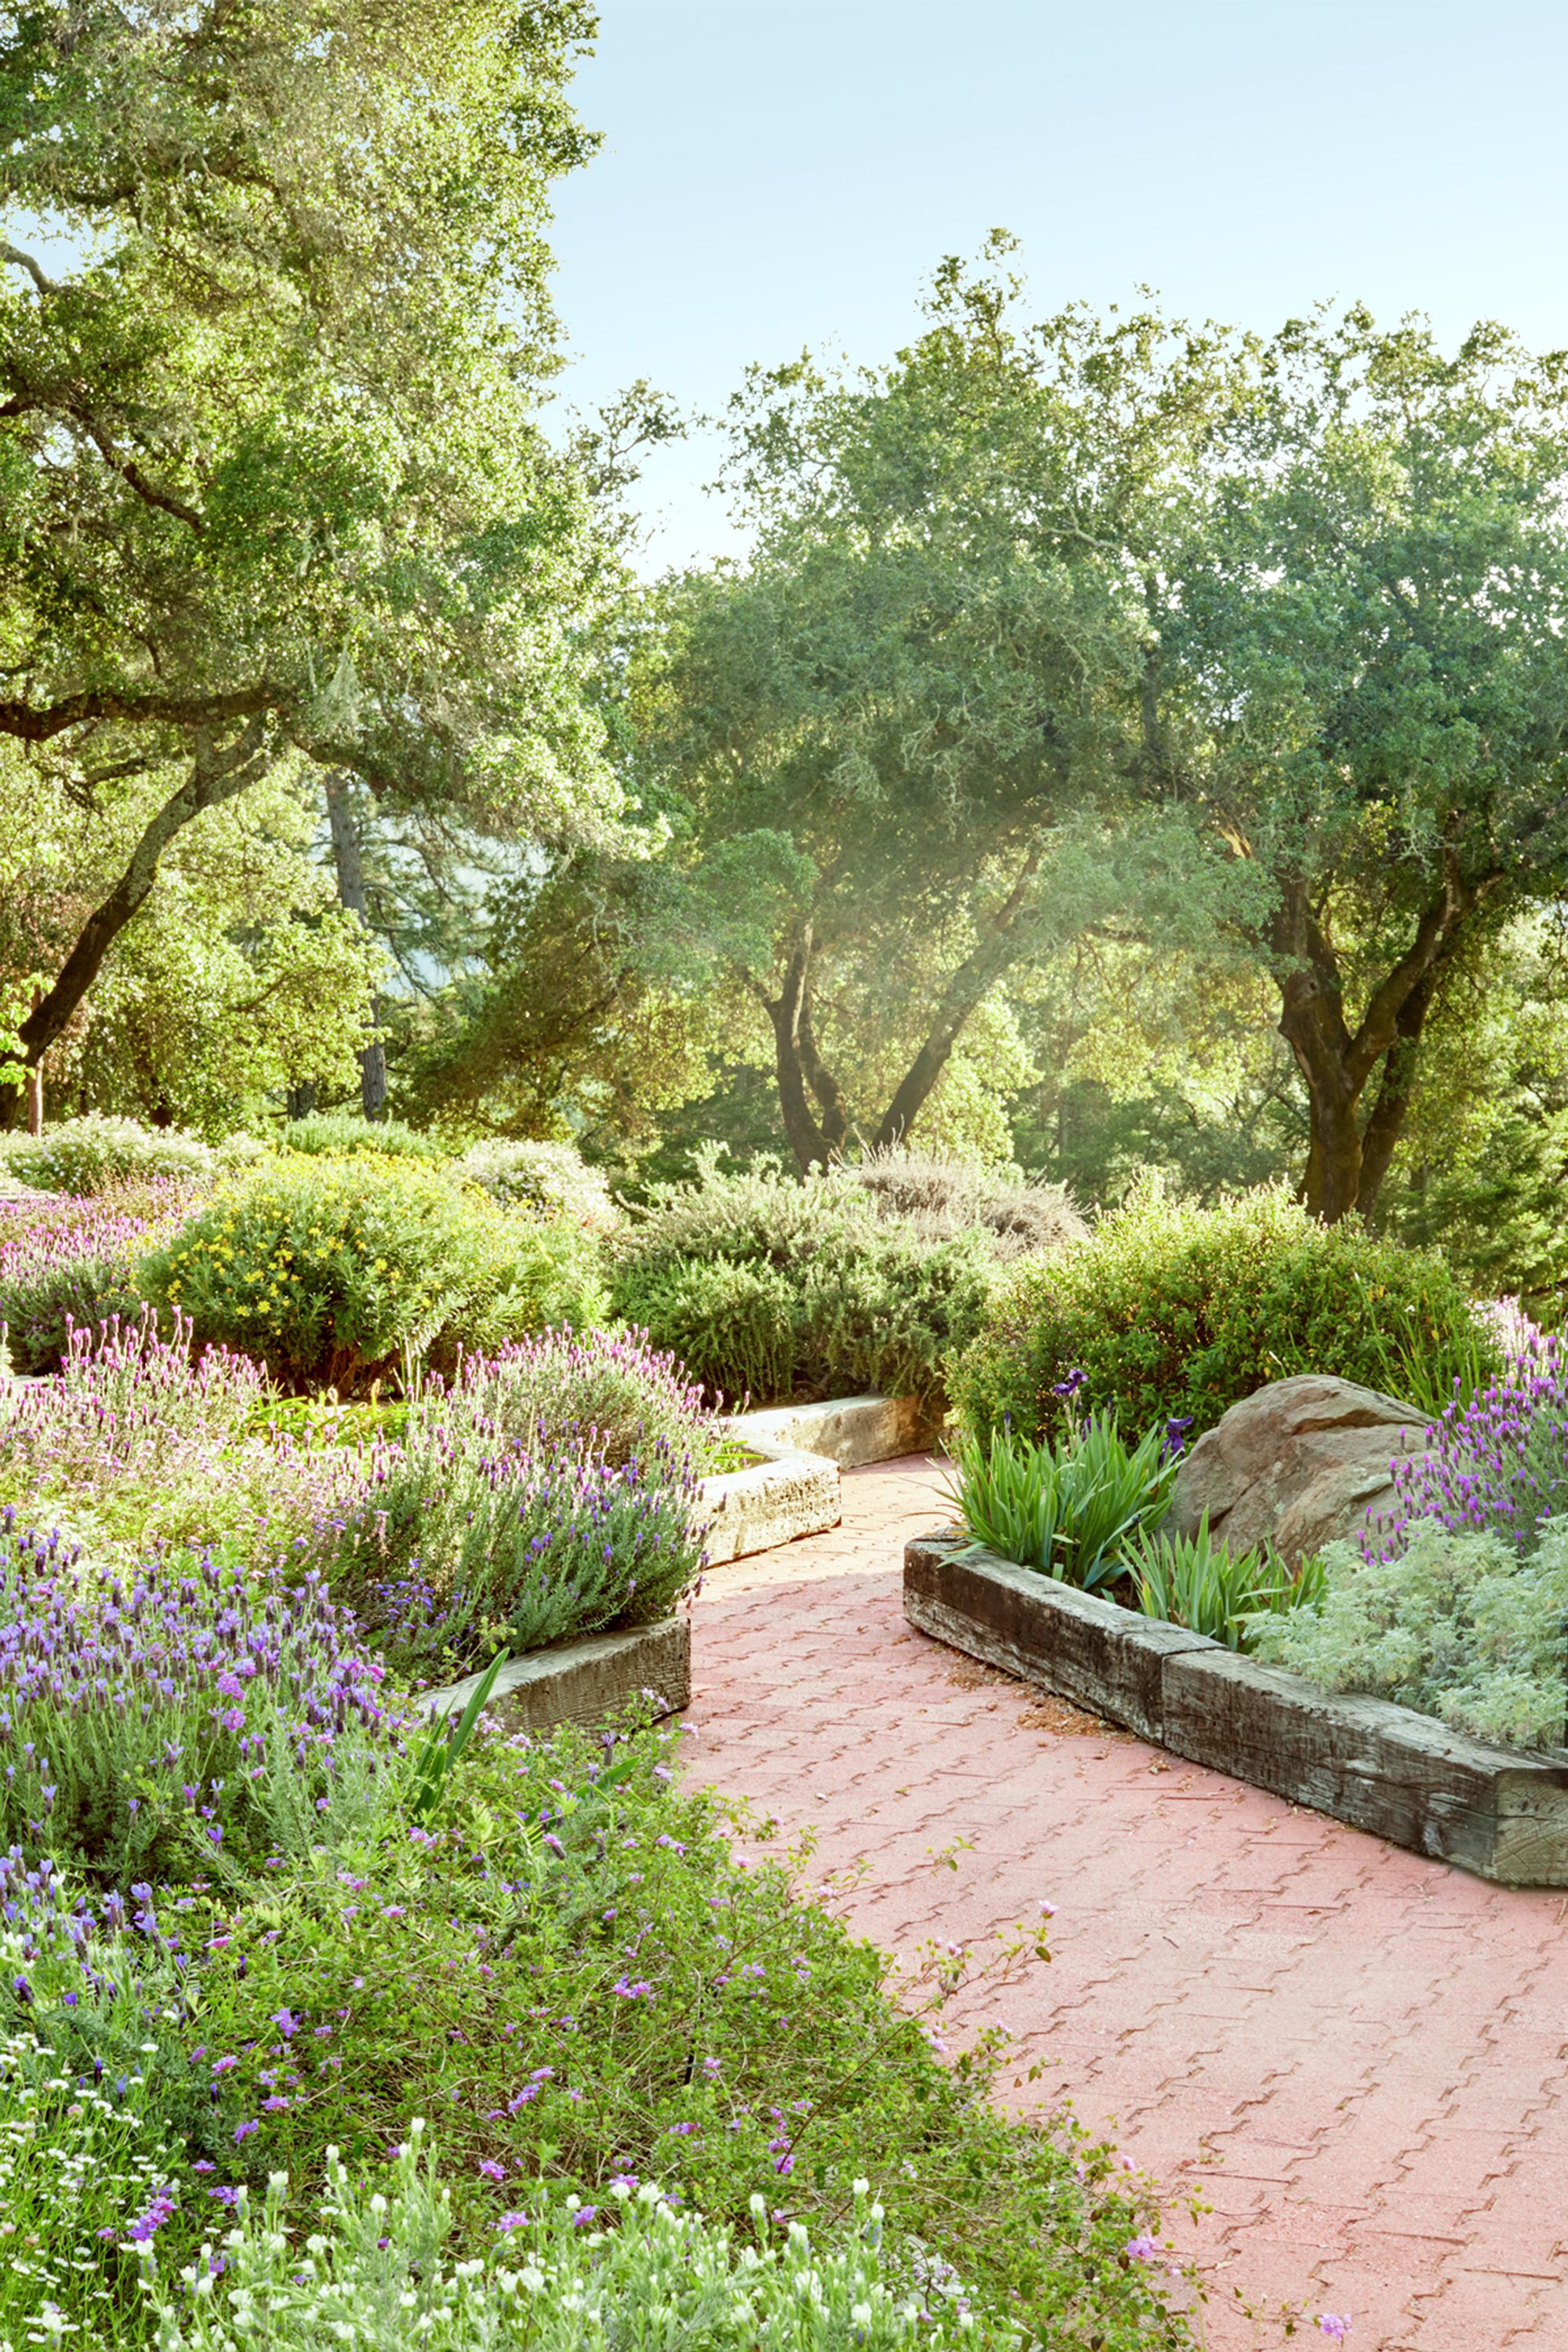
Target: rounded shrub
point(941, 1195)
point(1177, 1312)
point(332, 1134)
point(336, 1272)
point(769, 1289)
point(95, 1153)
point(550, 1177)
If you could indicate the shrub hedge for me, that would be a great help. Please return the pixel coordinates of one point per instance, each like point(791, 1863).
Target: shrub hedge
point(1176, 1311)
point(95, 1153)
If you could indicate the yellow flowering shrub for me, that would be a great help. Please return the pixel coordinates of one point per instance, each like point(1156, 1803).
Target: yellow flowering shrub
point(335, 1272)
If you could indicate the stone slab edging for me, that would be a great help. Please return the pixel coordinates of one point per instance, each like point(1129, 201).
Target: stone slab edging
point(788, 1494)
point(582, 1682)
point(1404, 1775)
point(850, 1431)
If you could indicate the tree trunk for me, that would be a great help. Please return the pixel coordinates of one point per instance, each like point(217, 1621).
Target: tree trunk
point(807, 1140)
point(971, 985)
point(823, 1083)
point(1347, 1157)
point(351, 894)
point(214, 777)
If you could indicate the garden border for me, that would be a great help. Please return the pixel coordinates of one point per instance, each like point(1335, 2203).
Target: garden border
point(850, 1431)
point(582, 1682)
point(789, 1493)
point(1404, 1775)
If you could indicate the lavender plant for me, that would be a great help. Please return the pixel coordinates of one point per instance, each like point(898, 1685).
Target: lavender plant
point(463, 1541)
point(174, 1719)
point(145, 1441)
point(609, 1393)
point(1496, 1464)
point(66, 1262)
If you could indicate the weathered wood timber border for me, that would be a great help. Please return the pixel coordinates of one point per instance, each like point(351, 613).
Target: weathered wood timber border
point(1379, 1767)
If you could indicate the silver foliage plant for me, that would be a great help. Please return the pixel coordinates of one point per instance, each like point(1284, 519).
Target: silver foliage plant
point(1459, 1626)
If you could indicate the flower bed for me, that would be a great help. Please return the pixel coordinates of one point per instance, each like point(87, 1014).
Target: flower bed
point(1364, 1760)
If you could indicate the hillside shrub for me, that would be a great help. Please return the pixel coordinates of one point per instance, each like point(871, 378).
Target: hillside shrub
point(938, 1195)
point(1459, 1626)
point(767, 1288)
point(338, 1272)
point(337, 1134)
point(96, 1152)
point(1175, 1312)
point(552, 1178)
point(67, 1263)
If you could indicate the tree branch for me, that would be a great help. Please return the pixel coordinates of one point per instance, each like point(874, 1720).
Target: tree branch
point(20, 260)
point(40, 726)
point(214, 777)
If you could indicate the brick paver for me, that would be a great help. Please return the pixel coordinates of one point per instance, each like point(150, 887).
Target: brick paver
point(1360, 2059)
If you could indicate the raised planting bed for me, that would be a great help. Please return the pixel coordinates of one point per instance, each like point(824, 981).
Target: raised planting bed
point(583, 1682)
point(847, 1429)
point(1379, 1767)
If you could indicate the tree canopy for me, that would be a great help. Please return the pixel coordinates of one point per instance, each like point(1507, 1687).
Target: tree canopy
point(270, 470)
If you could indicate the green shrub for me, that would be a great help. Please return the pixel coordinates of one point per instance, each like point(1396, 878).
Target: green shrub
point(1177, 1312)
point(336, 1272)
point(939, 1195)
point(768, 1288)
point(552, 1178)
point(333, 1134)
point(1458, 1626)
point(732, 1325)
point(1071, 1508)
point(95, 1153)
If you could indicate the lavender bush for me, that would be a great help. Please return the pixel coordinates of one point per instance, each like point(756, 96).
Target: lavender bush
point(463, 1542)
point(1495, 1465)
point(609, 1393)
point(146, 1441)
point(66, 1262)
point(176, 1718)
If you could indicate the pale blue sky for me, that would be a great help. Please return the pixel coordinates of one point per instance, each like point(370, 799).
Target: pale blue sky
point(785, 172)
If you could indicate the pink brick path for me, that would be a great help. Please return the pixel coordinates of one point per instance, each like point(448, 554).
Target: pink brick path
point(1360, 2058)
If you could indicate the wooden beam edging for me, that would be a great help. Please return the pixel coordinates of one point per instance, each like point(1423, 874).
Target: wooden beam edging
point(1497, 1811)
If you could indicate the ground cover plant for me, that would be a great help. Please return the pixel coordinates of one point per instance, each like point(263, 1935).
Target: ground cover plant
point(661, 2279)
point(567, 1972)
point(1175, 1312)
point(341, 1272)
point(767, 1287)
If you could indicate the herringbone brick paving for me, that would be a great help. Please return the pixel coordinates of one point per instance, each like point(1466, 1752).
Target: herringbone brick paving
point(1360, 2059)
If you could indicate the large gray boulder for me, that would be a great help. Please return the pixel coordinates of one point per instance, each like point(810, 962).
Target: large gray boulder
point(1295, 1464)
